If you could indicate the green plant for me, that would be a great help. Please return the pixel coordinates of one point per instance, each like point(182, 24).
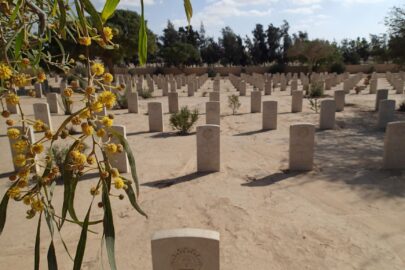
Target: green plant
point(145, 93)
point(184, 120)
point(338, 68)
point(402, 107)
point(316, 90)
point(67, 105)
point(122, 101)
point(314, 104)
point(211, 73)
point(159, 71)
point(233, 103)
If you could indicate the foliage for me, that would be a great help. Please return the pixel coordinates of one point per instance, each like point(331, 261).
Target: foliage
point(316, 90)
point(67, 105)
point(211, 73)
point(314, 104)
point(338, 68)
point(145, 93)
point(233, 48)
point(402, 107)
point(277, 68)
point(33, 35)
point(122, 101)
point(233, 103)
point(184, 120)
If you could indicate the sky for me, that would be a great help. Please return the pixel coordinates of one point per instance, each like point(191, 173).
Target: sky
point(324, 19)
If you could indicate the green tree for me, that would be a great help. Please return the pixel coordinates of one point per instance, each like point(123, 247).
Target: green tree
point(395, 21)
point(258, 50)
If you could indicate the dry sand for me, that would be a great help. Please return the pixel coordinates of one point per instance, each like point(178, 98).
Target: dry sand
point(345, 214)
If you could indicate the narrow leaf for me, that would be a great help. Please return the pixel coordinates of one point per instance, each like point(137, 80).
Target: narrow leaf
point(108, 224)
point(62, 18)
point(15, 11)
point(37, 243)
point(95, 16)
point(109, 8)
point(132, 198)
point(143, 39)
point(3, 211)
point(81, 246)
point(189, 10)
point(52, 263)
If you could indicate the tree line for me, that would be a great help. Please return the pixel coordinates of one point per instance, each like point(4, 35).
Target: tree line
point(273, 45)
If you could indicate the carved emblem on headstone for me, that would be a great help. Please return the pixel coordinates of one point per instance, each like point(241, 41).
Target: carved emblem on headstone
point(186, 259)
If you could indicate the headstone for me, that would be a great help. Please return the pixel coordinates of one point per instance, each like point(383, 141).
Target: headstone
point(31, 139)
point(41, 112)
point(242, 88)
point(53, 101)
point(165, 88)
point(394, 146)
point(294, 85)
point(190, 89)
point(302, 143)
point(327, 115)
point(256, 102)
point(381, 95)
point(267, 88)
point(373, 86)
point(208, 148)
point(296, 104)
point(155, 115)
point(386, 113)
point(340, 96)
point(185, 249)
point(269, 115)
point(214, 96)
point(133, 106)
point(119, 160)
point(173, 102)
point(38, 90)
point(212, 113)
point(399, 87)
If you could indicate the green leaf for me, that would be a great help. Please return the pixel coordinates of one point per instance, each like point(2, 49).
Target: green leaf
point(15, 11)
point(62, 18)
point(37, 243)
point(3, 211)
point(143, 39)
point(108, 225)
point(132, 198)
point(18, 44)
point(109, 9)
point(95, 16)
point(189, 10)
point(52, 263)
point(131, 157)
point(81, 246)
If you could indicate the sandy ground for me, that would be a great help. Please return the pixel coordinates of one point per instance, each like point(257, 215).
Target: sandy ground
point(345, 214)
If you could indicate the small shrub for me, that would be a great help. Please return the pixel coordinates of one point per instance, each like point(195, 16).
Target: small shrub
point(184, 120)
point(371, 70)
point(314, 104)
point(211, 73)
point(67, 105)
point(402, 107)
point(122, 101)
point(277, 68)
point(316, 90)
point(338, 68)
point(145, 93)
point(233, 103)
point(159, 70)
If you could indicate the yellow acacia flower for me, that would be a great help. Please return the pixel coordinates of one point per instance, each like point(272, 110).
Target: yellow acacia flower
point(85, 41)
point(97, 69)
point(38, 125)
point(90, 90)
point(14, 192)
point(20, 80)
point(97, 106)
point(68, 92)
point(13, 133)
point(20, 146)
point(78, 157)
point(87, 129)
point(5, 72)
point(107, 98)
point(37, 205)
point(101, 132)
point(119, 183)
point(108, 77)
point(12, 99)
point(85, 114)
point(106, 121)
point(27, 200)
point(91, 160)
point(48, 134)
point(114, 172)
point(111, 148)
point(41, 77)
point(38, 148)
point(25, 61)
point(23, 183)
point(23, 173)
point(20, 160)
point(108, 33)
